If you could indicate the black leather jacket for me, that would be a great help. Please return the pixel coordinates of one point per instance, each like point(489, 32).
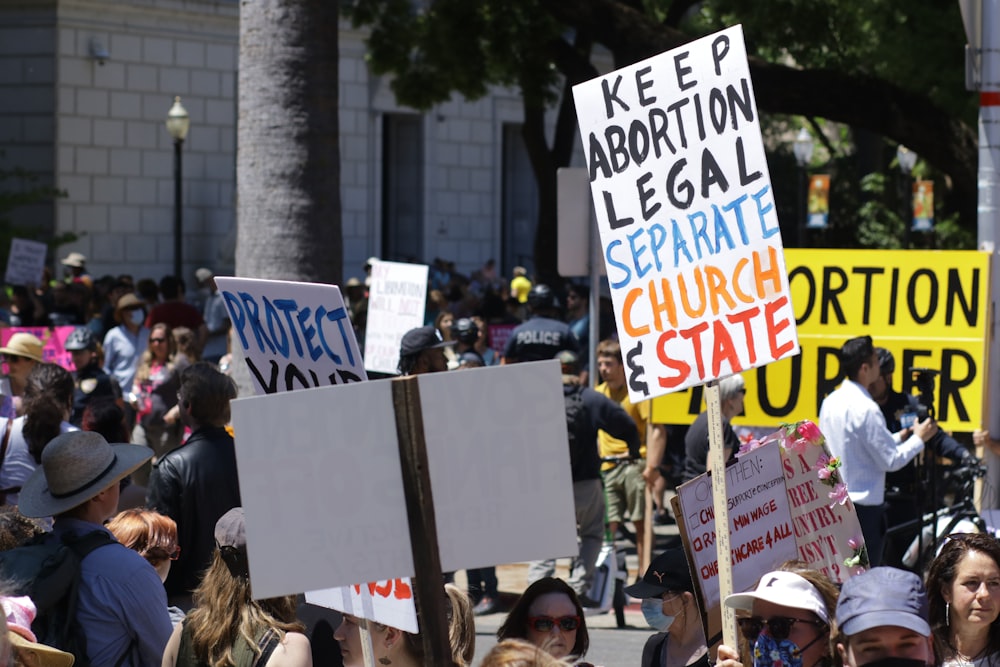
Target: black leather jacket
point(195, 485)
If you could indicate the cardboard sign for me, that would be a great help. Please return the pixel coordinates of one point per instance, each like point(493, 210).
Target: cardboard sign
point(760, 522)
point(491, 442)
point(53, 344)
point(388, 602)
point(26, 262)
point(687, 217)
point(929, 308)
point(396, 302)
point(293, 335)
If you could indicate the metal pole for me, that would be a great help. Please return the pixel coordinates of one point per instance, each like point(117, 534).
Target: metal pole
point(178, 213)
point(906, 196)
point(803, 211)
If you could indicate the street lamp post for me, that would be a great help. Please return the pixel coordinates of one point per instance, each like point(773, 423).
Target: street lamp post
point(803, 150)
point(178, 124)
point(907, 160)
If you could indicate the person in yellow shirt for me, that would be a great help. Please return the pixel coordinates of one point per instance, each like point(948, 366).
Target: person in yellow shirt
point(625, 482)
point(520, 285)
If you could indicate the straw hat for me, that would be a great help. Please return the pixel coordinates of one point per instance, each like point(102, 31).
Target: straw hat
point(125, 301)
point(76, 466)
point(20, 612)
point(23, 344)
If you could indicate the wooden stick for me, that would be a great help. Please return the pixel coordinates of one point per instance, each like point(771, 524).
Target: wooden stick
point(717, 456)
point(427, 582)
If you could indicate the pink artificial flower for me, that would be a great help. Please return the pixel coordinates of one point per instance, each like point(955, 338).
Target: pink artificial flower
point(747, 447)
point(855, 543)
point(810, 432)
point(839, 494)
point(824, 473)
point(797, 445)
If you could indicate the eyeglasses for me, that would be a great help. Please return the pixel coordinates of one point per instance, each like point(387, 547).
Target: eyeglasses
point(778, 626)
point(157, 340)
point(546, 623)
point(175, 554)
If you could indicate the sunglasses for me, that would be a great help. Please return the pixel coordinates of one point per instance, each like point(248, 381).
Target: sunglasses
point(11, 359)
point(157, 340)
point(779, 626)
point(546, 623)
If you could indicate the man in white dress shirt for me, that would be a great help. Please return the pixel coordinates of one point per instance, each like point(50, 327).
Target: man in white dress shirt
point(855, 431)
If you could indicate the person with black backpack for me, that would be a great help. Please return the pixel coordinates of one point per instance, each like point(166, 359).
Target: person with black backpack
point(587, 412)
point(101, 601)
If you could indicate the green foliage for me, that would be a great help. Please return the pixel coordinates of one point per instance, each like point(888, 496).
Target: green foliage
point(459, 46)
point(21, 188)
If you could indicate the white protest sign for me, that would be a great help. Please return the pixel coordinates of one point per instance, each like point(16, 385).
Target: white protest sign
point(26, 262)
point(686, 214)
point(495, 438)
point(827, 531)
point(293, 335)
point(388, 602)
point(760, 522)
point(396, 301)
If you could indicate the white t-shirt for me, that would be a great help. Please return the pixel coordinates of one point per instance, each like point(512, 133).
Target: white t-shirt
point(18, 464)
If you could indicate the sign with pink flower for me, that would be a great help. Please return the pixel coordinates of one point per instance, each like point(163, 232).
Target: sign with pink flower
point(827, 532)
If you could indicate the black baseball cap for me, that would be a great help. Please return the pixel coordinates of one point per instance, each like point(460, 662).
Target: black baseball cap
point(420, 339)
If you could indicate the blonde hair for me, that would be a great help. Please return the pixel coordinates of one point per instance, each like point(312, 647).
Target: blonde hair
point(520, 653)
point(225, 611)
point(461, 629)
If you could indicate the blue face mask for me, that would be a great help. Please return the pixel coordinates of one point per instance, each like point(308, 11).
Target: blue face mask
point(769, 652)
point(652, 610)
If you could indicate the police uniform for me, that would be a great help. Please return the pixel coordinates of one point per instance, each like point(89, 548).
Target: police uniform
point(90, 382)
point(538, 339)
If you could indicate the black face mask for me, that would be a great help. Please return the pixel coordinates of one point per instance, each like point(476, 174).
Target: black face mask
point(893, 661)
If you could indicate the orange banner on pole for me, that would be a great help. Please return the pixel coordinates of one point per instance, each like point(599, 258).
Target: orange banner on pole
point(923, 206)
point(819, 201)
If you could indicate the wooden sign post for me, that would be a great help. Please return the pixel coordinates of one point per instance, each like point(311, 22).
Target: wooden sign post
point(717, 456)
point(423, 526)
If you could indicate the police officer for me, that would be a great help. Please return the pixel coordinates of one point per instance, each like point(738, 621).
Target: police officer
point(465, 332)
point(91, 380)
point(544, 335)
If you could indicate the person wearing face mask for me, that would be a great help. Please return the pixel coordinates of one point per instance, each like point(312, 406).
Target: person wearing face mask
point(789, 621)
point(882, 616)
point(124, 344)
point(670, 608)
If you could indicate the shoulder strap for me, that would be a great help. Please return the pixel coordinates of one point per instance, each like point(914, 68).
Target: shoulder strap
point(268, 642)
point(84, 544)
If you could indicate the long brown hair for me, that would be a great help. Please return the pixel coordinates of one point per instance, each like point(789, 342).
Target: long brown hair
point(146, 360)
point(47, 395)
point(225, 611)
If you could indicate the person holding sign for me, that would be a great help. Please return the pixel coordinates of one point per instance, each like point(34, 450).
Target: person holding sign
point(670, 608)
point(856, 433)
point(790, 618)
point(964, 590)
point(882, 616)
point(391, 646)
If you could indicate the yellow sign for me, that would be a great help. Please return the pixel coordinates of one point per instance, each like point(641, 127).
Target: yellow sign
point(929, 308)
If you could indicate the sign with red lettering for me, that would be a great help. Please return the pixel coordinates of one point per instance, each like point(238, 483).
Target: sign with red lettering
point(687, 218)
point(760, 522)
point(827, 531)
point(396, 302)
point(389, 602)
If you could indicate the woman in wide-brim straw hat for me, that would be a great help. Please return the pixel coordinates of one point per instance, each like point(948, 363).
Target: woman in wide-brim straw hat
point(20, 355)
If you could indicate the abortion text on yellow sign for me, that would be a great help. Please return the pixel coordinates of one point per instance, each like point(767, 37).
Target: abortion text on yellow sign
point(929, 308)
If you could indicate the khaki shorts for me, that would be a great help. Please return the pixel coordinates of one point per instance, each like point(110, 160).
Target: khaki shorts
point(625, 490)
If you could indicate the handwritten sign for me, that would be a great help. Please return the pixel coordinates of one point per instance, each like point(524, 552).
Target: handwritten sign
point(827, 530)
point(396, 302)
point(53, 343)
point(389, 602)
point(760, 522)
point(686, 214)
point(491, 442)
point(293, 335)
point(26, 262)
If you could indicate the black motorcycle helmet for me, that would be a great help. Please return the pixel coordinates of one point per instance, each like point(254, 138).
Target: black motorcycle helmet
point(464, 330)
point(541, 297)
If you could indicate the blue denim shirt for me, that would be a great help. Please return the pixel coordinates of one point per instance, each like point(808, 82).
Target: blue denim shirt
point(122, 603)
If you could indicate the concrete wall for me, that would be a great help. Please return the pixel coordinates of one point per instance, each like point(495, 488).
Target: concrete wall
point(97, 131)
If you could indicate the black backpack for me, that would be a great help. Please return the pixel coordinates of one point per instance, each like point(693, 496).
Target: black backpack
point(48, 571)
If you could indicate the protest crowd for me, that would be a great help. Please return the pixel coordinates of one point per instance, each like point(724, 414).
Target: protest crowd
point(157, 529)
